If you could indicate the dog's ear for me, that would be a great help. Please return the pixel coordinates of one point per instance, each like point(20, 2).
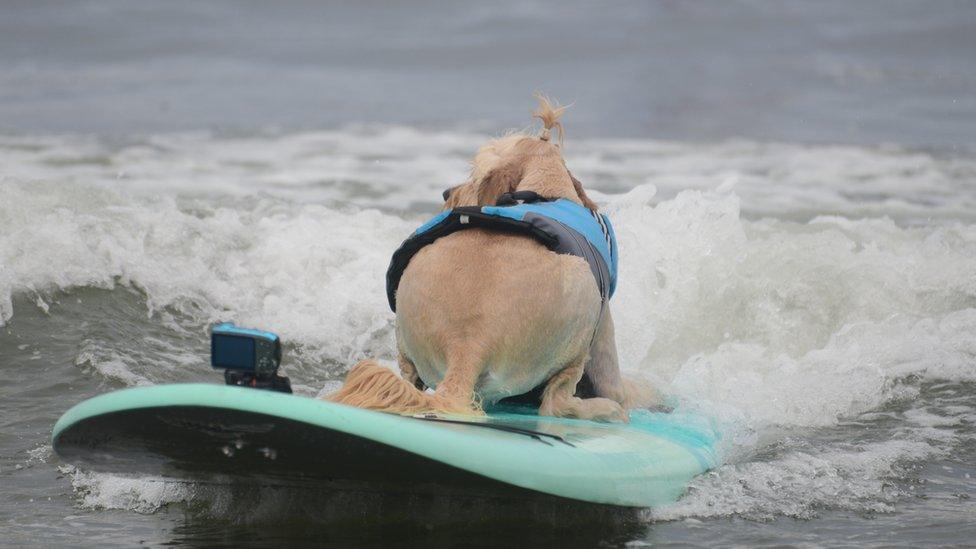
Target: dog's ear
point(499, 181)
point(464, 194)
point(447, 192)
point(582, 194)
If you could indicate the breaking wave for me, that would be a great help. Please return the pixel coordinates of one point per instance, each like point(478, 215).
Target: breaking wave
point(817, 305)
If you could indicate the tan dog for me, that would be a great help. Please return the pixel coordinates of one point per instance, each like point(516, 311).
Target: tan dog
point(483, 315)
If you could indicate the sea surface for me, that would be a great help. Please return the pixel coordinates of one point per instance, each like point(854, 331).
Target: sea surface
point(793, 186)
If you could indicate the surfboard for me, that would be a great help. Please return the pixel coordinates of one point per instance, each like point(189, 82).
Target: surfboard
point(199, 431)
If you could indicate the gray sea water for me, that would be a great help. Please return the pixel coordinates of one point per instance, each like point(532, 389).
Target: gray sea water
point(793, 185)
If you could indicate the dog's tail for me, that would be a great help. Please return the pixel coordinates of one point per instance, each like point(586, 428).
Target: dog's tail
point(549, 113)
point(369, 385)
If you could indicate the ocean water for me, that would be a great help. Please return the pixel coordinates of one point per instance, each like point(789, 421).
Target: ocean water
point(793, 188)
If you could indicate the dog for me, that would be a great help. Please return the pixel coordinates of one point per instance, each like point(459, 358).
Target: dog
point(483, 315)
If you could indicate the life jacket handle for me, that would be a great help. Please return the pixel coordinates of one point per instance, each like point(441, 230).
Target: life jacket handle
point(520, 197)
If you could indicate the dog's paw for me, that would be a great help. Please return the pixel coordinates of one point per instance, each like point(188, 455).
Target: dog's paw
point(593, 409)
point(602, 409)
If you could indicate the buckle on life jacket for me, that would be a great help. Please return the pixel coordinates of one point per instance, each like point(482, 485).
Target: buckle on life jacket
point(520, 197)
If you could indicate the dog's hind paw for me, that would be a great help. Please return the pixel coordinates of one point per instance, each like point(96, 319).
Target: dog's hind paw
point(593, 409)
point(606, 410)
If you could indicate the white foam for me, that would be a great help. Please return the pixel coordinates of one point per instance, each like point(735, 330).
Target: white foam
point(774, 326)
point(142, 495)
point(396, 168)
point(800, 484)
point(313, 273)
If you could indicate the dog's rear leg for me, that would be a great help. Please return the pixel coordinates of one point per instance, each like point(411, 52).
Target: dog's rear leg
point(604, 371)
point(456, 391)
point(558, 399)
point(409, 372)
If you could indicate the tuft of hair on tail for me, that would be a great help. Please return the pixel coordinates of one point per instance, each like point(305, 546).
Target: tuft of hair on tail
point(371, 386)
point(549, 112)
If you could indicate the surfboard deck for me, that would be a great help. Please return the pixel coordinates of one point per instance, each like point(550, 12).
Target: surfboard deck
point(204, 431)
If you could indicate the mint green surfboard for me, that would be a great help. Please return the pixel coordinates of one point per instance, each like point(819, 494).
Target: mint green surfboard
point(199, 431)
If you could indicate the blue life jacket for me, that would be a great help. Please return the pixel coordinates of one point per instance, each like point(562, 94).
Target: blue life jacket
point(561, 225)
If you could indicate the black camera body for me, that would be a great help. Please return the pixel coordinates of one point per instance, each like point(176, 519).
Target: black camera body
point(249, 358)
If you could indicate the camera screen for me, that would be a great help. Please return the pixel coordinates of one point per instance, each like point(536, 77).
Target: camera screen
point(232, 352)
